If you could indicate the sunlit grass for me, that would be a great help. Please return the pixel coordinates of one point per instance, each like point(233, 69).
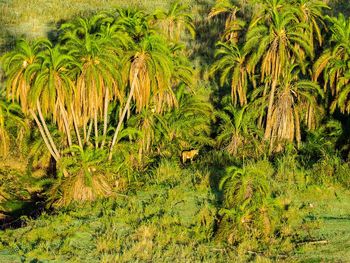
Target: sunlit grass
point(35, 18)
point(331, 241)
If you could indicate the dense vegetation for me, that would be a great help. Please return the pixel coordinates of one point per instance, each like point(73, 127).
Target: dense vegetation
point(211, 131)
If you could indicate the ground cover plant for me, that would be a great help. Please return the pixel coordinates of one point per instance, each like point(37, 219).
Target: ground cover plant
point(206, 131)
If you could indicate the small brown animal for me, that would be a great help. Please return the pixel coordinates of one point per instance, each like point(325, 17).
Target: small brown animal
point(185, 155)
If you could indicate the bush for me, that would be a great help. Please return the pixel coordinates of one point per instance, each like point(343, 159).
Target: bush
point(255, 213)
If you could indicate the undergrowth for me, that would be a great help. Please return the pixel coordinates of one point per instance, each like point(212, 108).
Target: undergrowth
point(178, 212)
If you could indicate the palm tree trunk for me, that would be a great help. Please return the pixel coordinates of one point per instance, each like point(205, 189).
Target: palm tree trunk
point(121, 120)
point(43, 135)
point(96, 129)
point(75, 123)
point(297, 126)
point(269, 111)
point(66, 125)
point(262, 111)
point(84, 129)
point(89, 132)
point(105, 118)
point(48, 134)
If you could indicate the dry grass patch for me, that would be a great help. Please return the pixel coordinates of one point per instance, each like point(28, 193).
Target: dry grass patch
point(35, 18)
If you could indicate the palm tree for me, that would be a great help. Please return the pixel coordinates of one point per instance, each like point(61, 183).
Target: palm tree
point(89, 178)
point(334, 63)
point(246, 187)
point(231, 62)
point(311, 13)
point(246, 193)
point(146, 124)
point(12, 125)
point(97, 48)
point(186, 126)
point(52, 90)
point(135, 22)
point(15, 65)
point(294, 98)
point(149, 68)
point(3, 132)
point(21, 67)
point(182, 74)
point(174, 21)
point(232, 23)
point(237, 130)
point(272, 42)
point(343, 99)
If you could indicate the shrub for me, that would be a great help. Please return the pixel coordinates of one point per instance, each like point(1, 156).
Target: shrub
point(255, 215)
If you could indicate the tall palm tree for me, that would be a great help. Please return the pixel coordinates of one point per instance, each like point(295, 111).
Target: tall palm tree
point(149, 68)
point(231, 62)
point(182, 74)
point(52, 90)
point(334, 63)
point(15, 64)
point(343, 99)
point(272, 42)
point(294, 97)
point(97, 48)
point(21, 67)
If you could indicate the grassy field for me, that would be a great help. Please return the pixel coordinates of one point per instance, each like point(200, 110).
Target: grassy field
point(36, 18)
point(331, 241)
point(168, 220)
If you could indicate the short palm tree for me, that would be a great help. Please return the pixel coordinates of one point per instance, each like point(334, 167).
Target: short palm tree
point(12, 126)
point(237, 131)
point(135, 22)
point(175, 21)
point(186, 126)
point(231, 63)
point(246, 193)
point(233, 24)
point(247, 186)
point(88, 178)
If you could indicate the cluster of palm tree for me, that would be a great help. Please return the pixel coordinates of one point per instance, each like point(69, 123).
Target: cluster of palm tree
point(272, 54)
point(114, 77)
point(285, 66)
point(86, 81)
point(119, 85)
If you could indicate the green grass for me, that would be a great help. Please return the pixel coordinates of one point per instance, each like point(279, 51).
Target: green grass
point(331, 206)
point(171, 216)
point(163, 221)
point(35, 18)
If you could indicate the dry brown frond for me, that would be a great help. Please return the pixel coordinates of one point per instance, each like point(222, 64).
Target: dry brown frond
point(76, 188)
